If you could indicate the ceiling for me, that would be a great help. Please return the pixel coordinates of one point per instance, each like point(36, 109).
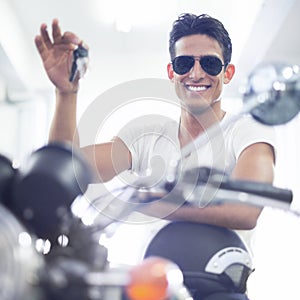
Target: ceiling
point(260, 30)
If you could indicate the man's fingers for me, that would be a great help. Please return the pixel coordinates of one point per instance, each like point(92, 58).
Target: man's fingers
point(67, 39)
point(56, 32)
point(70, 37)
point(84, 45)
point(45, 36)
point(40, 45)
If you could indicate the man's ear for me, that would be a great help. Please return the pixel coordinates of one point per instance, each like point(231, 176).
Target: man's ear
point(170, 71)
point(229, 72)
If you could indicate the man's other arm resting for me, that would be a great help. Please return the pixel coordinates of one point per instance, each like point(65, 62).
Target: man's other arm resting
point(108, 159)
point(256, 163)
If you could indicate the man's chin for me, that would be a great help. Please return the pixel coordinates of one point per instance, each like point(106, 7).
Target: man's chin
point(196, 109)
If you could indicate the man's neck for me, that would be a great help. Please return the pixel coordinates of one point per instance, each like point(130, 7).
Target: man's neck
point(192, 125)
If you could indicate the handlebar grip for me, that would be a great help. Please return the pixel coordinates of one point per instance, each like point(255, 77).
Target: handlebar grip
point(258, 188)
point(221, 180)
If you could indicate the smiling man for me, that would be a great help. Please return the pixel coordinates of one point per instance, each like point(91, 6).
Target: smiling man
point(200, 54)
point(200, 50)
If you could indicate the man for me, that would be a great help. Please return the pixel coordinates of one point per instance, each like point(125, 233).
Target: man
point(200, 50)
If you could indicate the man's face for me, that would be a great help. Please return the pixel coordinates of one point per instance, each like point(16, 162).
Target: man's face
point(197, 89)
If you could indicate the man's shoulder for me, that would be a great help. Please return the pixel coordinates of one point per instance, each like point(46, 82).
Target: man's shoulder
point(246, 121)
point(246, 128)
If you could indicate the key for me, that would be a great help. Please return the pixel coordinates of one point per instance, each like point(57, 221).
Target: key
point(80, 60)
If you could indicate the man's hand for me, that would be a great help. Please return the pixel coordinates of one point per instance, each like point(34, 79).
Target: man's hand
point(57, 56)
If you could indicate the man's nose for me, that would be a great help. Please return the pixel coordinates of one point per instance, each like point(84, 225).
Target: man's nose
point(197, 72)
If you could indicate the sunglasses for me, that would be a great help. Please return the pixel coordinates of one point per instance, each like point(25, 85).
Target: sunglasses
point(212, 65)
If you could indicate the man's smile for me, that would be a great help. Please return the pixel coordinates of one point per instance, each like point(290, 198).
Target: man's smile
point(197, 88)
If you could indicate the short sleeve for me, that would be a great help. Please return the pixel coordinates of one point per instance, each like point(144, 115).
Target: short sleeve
point(248, 131)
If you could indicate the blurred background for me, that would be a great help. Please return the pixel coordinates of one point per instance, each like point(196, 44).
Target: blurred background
point(128, 40)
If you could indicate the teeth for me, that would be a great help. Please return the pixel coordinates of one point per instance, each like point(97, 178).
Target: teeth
point(197, 88)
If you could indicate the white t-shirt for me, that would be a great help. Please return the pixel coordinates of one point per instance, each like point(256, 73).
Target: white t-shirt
point(153, 142)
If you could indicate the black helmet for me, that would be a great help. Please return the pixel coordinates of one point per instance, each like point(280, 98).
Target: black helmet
point(213, 259)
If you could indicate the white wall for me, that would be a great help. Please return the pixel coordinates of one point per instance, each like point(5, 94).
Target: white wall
point(24, 127)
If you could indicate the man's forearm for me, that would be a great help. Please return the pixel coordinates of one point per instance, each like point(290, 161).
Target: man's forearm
point(64, 122)
point(233, 216)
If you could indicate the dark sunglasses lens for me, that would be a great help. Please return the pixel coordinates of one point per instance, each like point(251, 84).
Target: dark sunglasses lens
point(182, 64)
point(211, 65)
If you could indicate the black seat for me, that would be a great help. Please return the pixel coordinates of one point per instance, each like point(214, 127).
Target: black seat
point(212, 259)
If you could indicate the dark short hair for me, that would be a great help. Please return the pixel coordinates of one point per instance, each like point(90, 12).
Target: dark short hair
point(188, 24)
